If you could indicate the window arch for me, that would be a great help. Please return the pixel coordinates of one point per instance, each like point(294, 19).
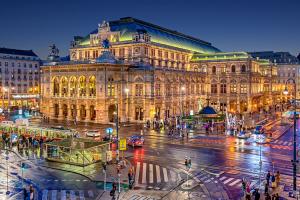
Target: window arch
point(73, 86)
point(243, 68)
point(82, 85)
point(92, 86)
point(214, 70)
point(223, 87)
point(55, 86)
point(233, 69)
point(64, 86)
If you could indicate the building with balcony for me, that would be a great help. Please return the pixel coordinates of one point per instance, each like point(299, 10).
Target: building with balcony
point(19, 78)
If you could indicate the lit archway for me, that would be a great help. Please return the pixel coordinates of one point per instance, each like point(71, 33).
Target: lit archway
point(92, 86)
point(73, 85)
point(64, 86)
point(82, 86)
point(55, 86)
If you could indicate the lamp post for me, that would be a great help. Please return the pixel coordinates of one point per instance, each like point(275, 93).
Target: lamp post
point(294, 160)
point(127, 108)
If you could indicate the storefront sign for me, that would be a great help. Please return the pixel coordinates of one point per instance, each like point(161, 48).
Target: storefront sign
point(109, 130)
point(122, 145)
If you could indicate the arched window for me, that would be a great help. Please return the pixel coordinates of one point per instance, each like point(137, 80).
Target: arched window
point(64, 86)
point(73, 86)
point(82, 86)
point(243, 69)
point(92, 86)
point(223, 87)
point(56, 86)
point(214, 88)
point(233, 69)
point(233, 86)
point(214, 70)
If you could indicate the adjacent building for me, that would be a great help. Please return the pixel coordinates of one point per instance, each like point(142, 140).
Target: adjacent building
point(19, 79)
point(146, 72)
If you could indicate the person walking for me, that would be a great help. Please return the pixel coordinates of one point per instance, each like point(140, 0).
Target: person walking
point(266, 189)
point(25, 193)
point(277, 178)
point(31, 193)
point(268, 197)
point(257, 195)
point(268, 178)
point(273, 181)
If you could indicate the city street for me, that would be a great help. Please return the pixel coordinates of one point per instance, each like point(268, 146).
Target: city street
point(219, 163)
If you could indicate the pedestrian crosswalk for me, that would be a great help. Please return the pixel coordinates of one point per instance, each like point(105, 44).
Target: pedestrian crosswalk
point(284, 143)
point(68, 194)
point(149, 174)
point(226, 180)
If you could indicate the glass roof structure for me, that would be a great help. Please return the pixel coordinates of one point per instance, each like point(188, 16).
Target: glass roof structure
point(129, 26)
point(220, 56)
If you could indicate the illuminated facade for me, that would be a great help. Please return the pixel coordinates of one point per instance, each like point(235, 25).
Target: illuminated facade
point(151, 73)
point(20, 78)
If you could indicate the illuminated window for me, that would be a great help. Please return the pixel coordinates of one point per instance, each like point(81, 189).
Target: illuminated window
point(243, 88)
point(233, 86)
point(157, 89)
point(139, 90)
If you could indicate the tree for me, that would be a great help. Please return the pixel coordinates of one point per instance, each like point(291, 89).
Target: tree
point(298, 57)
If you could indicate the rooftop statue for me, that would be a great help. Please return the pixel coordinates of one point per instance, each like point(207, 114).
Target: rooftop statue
point(53, 51)
point(105, 44)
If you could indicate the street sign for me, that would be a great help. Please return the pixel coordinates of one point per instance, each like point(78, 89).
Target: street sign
point(122, 145)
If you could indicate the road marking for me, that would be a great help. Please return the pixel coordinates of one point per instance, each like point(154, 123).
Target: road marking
point(90, 193)
point(173, 176)
point(150, 173)
point(228, 180)
point(45, 195)
point(81, 195)
point(235, 182)
point(222, 178)
point(144, 173)
point(285, 143)
point(158, 179)
point(275, 141)
point(54, 195)
point(290, 143)
point(137, 172)
point(280, 142)
point(72, 195)
point(63, 195)
point(165, 175)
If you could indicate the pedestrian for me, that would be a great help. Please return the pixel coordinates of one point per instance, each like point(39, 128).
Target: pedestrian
point(273, 197)
point(268, 178)
point(268, 197)
point(277, 196)
point(31, 192)
point(266, 189)
point(273, 181)
point(277, 178)
point(25, 193)
point(248, 196)
point(257, 195)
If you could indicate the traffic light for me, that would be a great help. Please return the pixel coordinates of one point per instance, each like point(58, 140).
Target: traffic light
point(23, 166)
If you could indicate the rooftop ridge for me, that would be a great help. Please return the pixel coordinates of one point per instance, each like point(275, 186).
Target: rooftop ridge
point(131, 19)
point(4, 50)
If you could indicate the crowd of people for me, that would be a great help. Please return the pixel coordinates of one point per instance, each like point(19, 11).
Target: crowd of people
point(271, 181)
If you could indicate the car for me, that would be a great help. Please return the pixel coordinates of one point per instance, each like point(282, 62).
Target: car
point(93, 133)
point(244, 135)
point(136, 140)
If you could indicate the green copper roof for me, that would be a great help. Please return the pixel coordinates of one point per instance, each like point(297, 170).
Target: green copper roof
point(220, 56)
point(129, 26)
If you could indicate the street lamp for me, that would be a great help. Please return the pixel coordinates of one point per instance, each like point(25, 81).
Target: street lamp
point(127, 109)
point(294, 160)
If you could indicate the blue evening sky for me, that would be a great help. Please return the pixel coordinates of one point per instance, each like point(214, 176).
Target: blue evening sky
point(230, 25)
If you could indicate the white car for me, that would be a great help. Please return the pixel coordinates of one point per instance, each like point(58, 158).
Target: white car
point(93, 133)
